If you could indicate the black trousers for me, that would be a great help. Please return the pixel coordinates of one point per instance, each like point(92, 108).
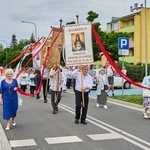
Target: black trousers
point(78, 98)
point(55, 101)
point(32, 89)
point(24, 87)
point(45, 88)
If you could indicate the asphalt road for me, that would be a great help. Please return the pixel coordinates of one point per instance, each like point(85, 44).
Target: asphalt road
point(117, 128)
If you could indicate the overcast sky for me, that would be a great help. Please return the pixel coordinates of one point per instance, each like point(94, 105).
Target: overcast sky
point(46, 13)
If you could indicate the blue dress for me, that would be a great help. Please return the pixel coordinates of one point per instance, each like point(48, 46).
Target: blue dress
point(10, 99)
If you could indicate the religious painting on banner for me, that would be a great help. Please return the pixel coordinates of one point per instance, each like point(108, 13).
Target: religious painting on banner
point(55, 53)
point(44, 49)
point(78, 44)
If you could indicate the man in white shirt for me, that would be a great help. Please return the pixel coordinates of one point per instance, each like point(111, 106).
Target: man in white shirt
point(84, 83)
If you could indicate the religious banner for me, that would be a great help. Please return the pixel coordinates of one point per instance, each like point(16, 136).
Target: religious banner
point(54, 57)
point(78, 45)
point(44, 49)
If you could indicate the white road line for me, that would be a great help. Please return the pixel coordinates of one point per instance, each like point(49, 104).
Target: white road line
point(111, 129)
point(64, 139)
point(106, 136)
point(20, 143)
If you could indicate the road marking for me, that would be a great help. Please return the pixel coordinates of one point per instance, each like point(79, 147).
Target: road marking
point(20, 143)
point(64, 139)
point(126, 136)
point(106, 136)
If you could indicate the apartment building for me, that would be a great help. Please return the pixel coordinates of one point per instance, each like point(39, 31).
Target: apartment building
point(138, 26)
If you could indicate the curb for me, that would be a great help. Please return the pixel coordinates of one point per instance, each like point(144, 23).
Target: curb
point(4, 144)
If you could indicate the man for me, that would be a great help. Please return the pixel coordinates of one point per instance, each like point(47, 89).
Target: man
point(55, 87)
point(110, 72)
point(84, 83)
point(45, 82)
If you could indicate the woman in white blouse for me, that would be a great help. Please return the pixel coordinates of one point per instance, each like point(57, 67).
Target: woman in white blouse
point(102, 81)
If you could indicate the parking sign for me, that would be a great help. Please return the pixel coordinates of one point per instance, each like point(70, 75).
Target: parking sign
point(123, 46)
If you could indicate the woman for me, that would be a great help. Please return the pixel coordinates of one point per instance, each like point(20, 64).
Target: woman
point(146, 97)
point(8, 94)
point(101, 92)
point(24, 80)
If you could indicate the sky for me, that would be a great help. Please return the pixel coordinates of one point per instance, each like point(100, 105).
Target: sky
point(47, 13)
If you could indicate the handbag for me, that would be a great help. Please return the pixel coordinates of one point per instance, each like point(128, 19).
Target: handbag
point(146, 93)
point(105, 87)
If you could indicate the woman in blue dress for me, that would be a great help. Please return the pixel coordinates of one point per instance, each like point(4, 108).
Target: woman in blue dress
point(9, 98)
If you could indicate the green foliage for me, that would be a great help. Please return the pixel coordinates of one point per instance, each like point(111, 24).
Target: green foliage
point(92, 16)
point(14, 43)
point(135, 99)
point(110, 42)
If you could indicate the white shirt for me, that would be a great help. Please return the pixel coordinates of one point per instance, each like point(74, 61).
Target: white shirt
point(87, 80)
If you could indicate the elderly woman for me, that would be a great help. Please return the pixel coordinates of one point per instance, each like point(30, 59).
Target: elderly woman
point(9, 97)
point(102, 85)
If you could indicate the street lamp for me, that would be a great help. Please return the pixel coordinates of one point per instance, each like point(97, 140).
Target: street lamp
point(34, 26)
point(146, 48)
point(6, 49)
point(61, 21)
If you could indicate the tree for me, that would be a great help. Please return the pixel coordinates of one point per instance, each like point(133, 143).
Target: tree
point(13, 43)
point(110, 42)
point(32, 38)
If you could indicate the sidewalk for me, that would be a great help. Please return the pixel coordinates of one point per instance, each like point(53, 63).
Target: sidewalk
point(4, 144)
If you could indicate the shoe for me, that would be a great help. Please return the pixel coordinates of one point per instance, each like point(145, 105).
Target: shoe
point(83, 122)
point(146, 116)
point(7, 127)
point(105, 106)
point(45, 101)
point(54, 112)
point(76, 121)
point(38, 97)
point(14, 124)
point(113, 94)
point(97, 105)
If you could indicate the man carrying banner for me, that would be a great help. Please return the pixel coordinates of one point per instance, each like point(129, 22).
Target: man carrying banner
point(84, 83)
point(55, 87)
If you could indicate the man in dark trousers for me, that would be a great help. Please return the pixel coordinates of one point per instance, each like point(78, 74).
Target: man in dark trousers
point(84, 83)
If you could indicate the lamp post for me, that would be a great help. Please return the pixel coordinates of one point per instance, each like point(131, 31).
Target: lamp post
point(6, 49)
point(61, 21)
point(34, 26)
point(146, 48)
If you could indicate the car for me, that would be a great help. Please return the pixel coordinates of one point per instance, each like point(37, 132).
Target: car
point(118, 80)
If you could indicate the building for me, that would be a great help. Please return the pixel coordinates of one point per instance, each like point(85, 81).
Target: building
point(135, 24)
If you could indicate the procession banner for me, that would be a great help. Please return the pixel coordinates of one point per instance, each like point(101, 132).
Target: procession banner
point(78, 45)
point(54, 56)
point(44, 49)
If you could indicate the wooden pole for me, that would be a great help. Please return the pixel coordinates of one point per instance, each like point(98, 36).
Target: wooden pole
point(83, 102)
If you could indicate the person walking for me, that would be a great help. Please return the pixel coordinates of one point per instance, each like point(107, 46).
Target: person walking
point(32, 81)
point(24, 80)
point(45, 82)
point(84, 83)
point(56, 79)
point(110, 72)
point(9, 98)
point(37, 81)
point(102, 82)
point(146, 96)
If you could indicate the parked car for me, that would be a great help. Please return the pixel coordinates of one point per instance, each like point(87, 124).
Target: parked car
point(117, 80)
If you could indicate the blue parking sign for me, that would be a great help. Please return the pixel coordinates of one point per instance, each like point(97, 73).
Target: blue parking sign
point(123, 46)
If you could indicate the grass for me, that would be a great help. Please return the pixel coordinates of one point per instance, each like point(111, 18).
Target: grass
point(135, 99)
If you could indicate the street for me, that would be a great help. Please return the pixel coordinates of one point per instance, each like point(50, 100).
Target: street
point(118, 127)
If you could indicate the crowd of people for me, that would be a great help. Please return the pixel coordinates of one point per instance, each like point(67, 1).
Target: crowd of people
point(55, 81)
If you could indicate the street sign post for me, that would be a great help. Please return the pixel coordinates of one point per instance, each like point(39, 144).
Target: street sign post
point(123, 46)
point(123, 49)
